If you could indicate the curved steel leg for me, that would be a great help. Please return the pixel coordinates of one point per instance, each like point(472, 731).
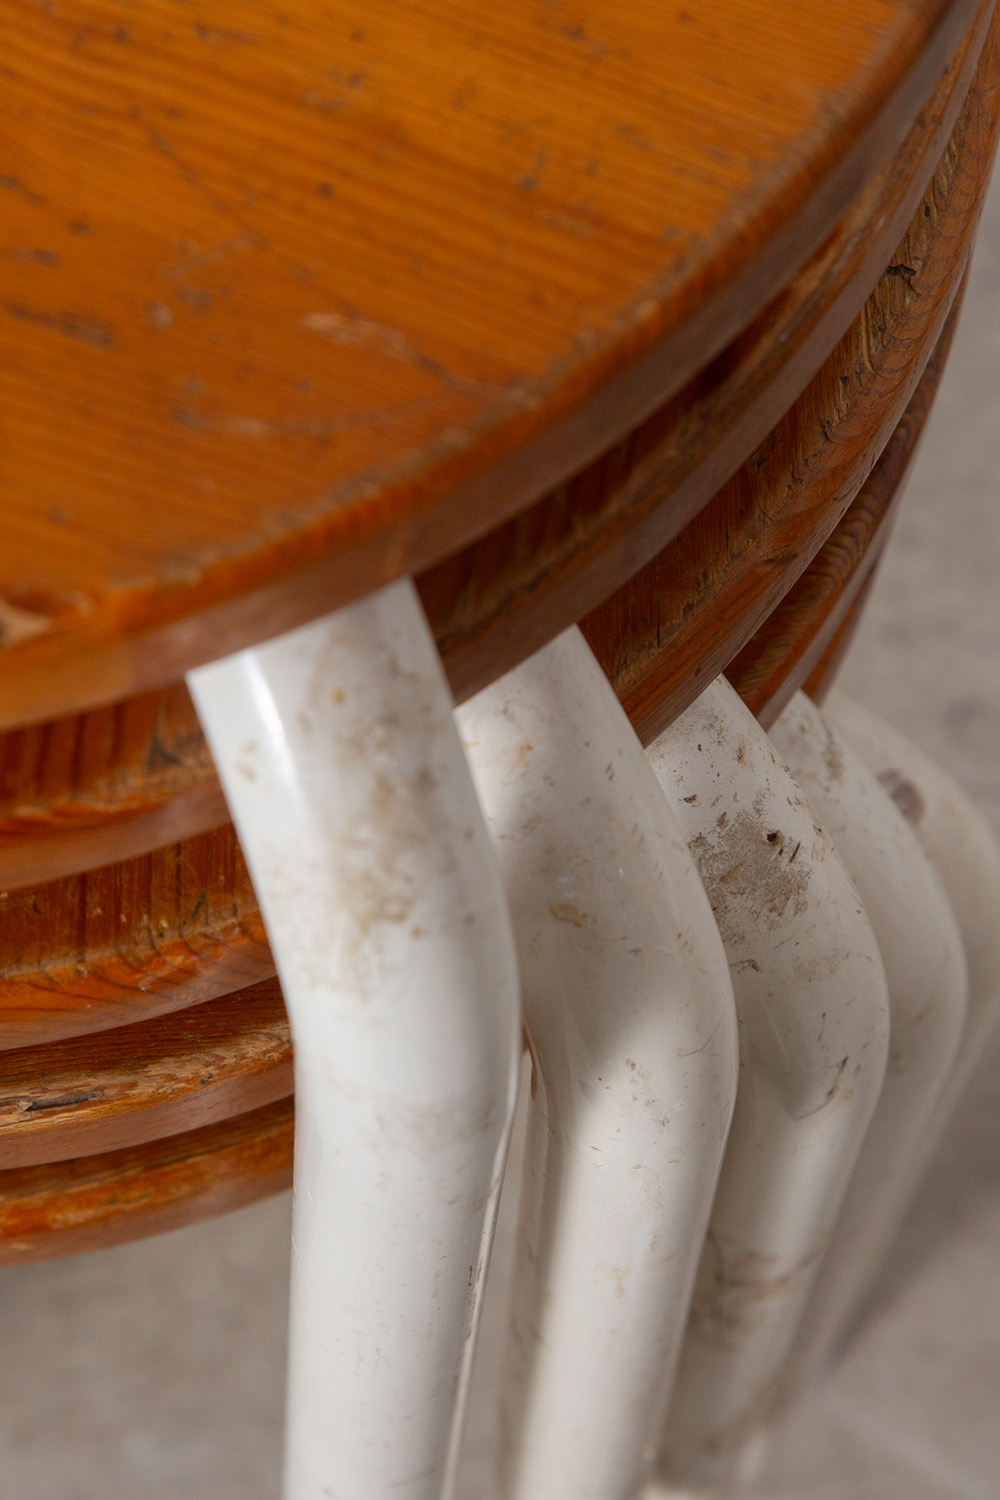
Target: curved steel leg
point(925, 967)
point(345, 775)
point(629, 1010)
point(959, 844)
point(813, 1011)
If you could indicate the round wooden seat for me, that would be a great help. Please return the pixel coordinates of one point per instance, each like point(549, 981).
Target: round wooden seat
point(606, 315)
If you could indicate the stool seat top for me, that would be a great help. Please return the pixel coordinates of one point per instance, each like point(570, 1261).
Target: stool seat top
point(301, 297)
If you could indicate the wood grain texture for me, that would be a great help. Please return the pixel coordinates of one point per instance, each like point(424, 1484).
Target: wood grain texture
point(681, 620)
point(782, 655)
point(93, 788)
point(91, 1202)
point(138, 1083)
point(310, 384)
point(129, 941)
point(181, 925)
point(378, 284)
point(499, 600)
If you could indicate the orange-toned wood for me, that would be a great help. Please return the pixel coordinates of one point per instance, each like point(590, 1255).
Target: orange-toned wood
point(124, 1087)
point(65, 1208)
point(496, 602)
point(795, 636)
point(129, 941)
point(273, 407)
point(688, 613)
point(381, 280)
point(93, 788)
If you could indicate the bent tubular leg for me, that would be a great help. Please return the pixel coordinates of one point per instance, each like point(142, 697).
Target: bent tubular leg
point(960, 845)
point(813, 1013)
point(925, 968)
point(345, 775)
point(629, 1010)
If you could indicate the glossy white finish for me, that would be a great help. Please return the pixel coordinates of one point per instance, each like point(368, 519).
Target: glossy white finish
point(629, 1009)
point(478, 1473)
point(924, 960)
point(345, 775)
point(959, 844)
point(813, 1012)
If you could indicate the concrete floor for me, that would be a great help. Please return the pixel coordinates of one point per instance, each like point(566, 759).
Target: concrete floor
point(155, 1371)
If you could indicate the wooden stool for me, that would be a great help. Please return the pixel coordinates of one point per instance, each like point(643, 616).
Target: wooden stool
point(343, 347)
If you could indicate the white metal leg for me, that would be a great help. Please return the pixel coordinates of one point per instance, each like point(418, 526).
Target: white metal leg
point(813, 1012)
point(957, 840)
point(630, 1013)
point(346, 779)
point(478, 1473)
point(925, 967)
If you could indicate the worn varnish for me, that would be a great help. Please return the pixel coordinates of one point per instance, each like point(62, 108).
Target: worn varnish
point(137, 1083)
point(514, 299)
point(65, 1208)
point(117, 781)
point(129, 941)
point(89, 788)
point(181, 925)
point(796, 636)
point(379, 281)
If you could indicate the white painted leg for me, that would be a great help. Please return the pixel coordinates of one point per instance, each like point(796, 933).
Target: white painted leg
point(813, 1012)
point(479, 1467)
point(346, 779)
point(959, 844)
point(630, 1013)
point(925, 967)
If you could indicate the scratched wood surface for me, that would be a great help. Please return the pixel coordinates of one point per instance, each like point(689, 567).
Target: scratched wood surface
point(298, 299)
point(158, 1078)
point(119, 780)
point(735, 324)
point(180, 925)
